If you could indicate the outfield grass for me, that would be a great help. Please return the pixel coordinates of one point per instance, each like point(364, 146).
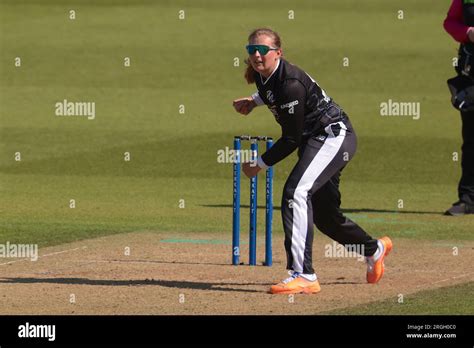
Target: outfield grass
point(190, 62)
point(458, 300)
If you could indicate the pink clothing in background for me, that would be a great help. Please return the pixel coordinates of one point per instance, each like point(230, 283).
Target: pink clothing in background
point(454, 22)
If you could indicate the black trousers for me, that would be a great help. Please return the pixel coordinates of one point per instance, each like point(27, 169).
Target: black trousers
point(311, 196)
point(466, 184)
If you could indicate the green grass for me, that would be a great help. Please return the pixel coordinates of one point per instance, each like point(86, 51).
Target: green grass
point(190, 62)
point(458, 300)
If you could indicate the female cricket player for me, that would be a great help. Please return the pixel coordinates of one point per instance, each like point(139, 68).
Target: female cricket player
point(315, 125)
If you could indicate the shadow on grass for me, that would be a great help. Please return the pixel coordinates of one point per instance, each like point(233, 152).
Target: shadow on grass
point(259, 264)
point(179, 284)
point(340, 283)
point(168, 262)
point(136, 282)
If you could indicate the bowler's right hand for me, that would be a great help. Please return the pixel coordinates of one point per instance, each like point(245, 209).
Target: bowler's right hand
point(244, 105)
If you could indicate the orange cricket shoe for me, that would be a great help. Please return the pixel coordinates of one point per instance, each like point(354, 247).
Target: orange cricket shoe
point(375, 269)
point(296, 284)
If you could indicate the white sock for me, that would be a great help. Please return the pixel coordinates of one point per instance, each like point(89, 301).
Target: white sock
point(379, 251)
point(310, 277)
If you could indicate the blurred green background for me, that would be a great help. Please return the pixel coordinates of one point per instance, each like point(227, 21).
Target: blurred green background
point(190, 62)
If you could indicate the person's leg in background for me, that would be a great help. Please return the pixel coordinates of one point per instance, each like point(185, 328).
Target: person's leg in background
point(465, 205)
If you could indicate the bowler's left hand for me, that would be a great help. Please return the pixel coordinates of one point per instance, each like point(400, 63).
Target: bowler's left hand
point(250, 169)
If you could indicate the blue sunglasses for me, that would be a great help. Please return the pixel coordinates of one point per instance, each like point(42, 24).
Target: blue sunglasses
point(262, 49)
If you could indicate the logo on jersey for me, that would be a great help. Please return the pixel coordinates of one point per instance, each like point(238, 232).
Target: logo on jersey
point(290, 106)
point(270, 97)
point(321, 138)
